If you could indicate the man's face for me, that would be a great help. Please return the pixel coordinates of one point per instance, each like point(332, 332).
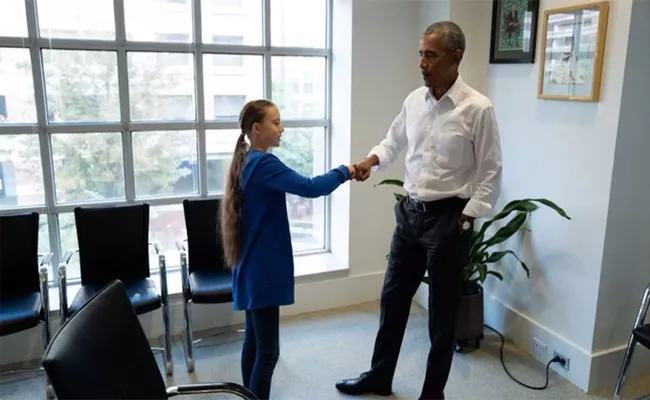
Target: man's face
point(436, 63)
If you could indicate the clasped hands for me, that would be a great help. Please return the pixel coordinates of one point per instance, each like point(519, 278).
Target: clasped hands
point(360, 171)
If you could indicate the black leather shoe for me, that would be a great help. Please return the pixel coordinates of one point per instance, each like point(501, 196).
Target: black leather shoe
point(364, 384)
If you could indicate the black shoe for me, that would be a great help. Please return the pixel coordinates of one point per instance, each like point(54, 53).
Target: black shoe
point(364, 384)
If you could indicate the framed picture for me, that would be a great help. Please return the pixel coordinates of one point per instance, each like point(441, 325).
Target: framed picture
point(573, 44)
point(514, 31)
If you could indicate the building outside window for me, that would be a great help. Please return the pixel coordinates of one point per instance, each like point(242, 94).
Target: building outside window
point(90, 114)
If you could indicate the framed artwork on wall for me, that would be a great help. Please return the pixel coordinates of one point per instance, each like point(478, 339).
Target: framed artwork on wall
point(514, 31)
point(573, 46)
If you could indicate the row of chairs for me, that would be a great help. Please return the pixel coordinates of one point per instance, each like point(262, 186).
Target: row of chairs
point(113, 245)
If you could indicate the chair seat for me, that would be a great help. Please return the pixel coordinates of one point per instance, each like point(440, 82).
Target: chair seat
point(210, 287)
point(642, 335)
point(142, 293)
point(20, 313)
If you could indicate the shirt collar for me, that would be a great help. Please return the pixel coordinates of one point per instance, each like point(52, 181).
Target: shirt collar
point(454, 93)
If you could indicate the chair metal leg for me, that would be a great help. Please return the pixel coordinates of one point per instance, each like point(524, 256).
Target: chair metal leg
point(622, 375)
point(188, 340)
point(169, 365)
point(189, 336)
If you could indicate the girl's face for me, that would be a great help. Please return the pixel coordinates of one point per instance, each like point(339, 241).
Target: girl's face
point(268, 132)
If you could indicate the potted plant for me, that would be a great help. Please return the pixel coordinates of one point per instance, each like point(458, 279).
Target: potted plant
point(483, 255)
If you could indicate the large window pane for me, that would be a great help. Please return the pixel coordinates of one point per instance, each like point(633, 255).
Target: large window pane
point(167, 225)
point(69, 242)
point(299, 23)
point(303, 149)
point(17, 104)
point(13, 20)
point(237, 22)
point(21, 176)
point(229, 82)
point(165, 163)
point(299, 86)
point(76, 19)
point(81, 85)
point(158, 20)
point(88, 166)
point(220, 145)
point(161, 86)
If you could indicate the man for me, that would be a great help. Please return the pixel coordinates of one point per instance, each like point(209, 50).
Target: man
point(453, 175)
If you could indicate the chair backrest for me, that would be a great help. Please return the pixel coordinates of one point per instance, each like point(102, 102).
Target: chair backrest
point(113, 243)
point(101, 352)
point(205, 251)
point(19, 273)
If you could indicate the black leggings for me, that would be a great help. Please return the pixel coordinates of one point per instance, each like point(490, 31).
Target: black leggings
point(261, 349)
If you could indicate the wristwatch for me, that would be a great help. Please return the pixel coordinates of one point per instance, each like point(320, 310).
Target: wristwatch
point(465, 225)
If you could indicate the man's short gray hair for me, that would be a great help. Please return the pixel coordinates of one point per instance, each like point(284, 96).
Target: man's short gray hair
point(452, 36)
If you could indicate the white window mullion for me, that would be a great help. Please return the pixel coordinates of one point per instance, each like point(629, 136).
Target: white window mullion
point(268, 71)
point(43, 135)
point(200, 98)
point(125, 109)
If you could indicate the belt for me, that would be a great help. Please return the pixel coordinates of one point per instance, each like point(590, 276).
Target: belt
point(446, 204)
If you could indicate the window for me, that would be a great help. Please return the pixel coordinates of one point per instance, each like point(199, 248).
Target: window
point(88, 119)
point(3, 107)
point(228, 105)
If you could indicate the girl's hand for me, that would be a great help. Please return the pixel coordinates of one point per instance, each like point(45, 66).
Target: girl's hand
point(353, 171)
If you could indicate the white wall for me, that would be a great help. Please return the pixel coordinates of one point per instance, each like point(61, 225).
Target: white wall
point(565, 151)
point(626, 255)
point(375, 66)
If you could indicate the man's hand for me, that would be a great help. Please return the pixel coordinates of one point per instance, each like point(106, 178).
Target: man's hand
point(465, 218)
point(364, 167)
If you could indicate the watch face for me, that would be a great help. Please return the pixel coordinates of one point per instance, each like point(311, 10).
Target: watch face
point(466, 225)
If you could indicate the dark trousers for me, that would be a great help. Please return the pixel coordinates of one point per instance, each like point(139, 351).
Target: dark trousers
point(424, 240)
point(261, 349)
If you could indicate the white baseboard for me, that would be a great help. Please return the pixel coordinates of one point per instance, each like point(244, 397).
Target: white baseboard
point(311, 296)
point(605, 366)
point(587, 371)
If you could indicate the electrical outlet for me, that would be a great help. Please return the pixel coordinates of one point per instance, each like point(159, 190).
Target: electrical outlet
point(566, 360)
point(539, 348)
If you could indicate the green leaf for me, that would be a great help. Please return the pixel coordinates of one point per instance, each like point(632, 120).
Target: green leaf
point(550, 204)
point(496, 275)
point(505, 232)
point(393, 182)
point(398, 196)
point(498, 255)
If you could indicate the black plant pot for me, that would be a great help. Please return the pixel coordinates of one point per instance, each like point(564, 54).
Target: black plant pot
point(470, 322)
point(470, 318)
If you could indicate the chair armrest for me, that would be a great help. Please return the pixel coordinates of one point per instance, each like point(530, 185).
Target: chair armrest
point(46, 260)
point(216, 387)
point(162, 265)
point(63, 287)
point(185, 276)
point(643, 308)
point(180, 245)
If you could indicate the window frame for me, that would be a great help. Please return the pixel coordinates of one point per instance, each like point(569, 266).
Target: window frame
point(35, 43)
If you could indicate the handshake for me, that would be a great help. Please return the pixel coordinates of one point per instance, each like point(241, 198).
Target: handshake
point(361, 170)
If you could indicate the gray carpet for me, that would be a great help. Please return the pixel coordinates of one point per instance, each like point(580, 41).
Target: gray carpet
point(319, 348)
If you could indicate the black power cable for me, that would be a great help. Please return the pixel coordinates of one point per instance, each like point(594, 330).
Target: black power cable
point(548, 365)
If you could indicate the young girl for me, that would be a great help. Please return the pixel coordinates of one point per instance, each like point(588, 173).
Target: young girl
point(256, 237)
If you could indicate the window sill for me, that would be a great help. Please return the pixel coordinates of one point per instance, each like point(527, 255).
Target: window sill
point(308, 267)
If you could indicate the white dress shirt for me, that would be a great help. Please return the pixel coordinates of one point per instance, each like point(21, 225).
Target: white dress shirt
point(452, 147)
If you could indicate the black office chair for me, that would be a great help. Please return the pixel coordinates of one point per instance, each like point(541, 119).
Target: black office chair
point(101, 352)
point(114, 244)
point(24, 298)
point(640, 334)
point(206, 278)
